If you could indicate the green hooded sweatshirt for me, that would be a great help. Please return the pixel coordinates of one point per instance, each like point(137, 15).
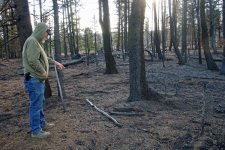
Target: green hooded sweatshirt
point(35, 59)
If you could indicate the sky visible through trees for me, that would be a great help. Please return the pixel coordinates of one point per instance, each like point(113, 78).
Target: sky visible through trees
point(88, 13)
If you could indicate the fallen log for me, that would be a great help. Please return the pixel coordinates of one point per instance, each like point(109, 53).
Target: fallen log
point(71, 62)
point(104, 113)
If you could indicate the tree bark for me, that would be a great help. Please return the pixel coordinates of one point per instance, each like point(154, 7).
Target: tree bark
point(223, 63)
point(173, 31)
point(126, 3)
point(138, 84)
point(105, 25)
point(199, 31)
point(57, 44)
point(156, 34)
point(212, 26)
point(211, 65)
point(23, 20)
point(184, 31)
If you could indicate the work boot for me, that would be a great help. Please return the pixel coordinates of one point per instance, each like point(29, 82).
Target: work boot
point(49, 125)
point(41, 134)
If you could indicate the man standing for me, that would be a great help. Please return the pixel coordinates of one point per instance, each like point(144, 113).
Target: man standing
point(36, 68)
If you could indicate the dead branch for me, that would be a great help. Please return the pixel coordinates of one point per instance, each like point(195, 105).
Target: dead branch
point(104, 113)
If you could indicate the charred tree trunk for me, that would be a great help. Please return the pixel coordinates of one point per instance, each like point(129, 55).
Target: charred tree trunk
point(174, 34)
point(212, 26)
point(199, 31)
point(105, 25)
point(184, 31)
point(119, 26)
point(138, 83)
point(156, 34)
point(211, 65)
point(223, 63)
point(57, 44)
point(64, 31)
point(125, 24)
point(23, 20)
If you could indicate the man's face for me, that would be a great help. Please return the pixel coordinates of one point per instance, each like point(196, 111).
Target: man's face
point(45, 36)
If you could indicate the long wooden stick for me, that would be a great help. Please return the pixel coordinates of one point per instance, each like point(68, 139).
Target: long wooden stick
point(60, 89)
point(58, 83)
point(104, 113)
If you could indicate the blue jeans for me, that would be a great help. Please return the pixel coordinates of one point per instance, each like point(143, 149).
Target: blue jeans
point(35, 89)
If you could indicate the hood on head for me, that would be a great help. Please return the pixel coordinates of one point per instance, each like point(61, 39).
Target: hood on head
point(39, 30)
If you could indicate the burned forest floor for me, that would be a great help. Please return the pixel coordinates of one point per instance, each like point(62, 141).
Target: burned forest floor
point(190, 114)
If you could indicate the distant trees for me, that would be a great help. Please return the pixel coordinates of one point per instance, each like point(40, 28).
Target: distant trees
point(120, 38)
point(88, 42)
point(185, 27)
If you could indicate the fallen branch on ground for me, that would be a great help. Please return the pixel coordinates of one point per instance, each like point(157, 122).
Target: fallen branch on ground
point(104, 113)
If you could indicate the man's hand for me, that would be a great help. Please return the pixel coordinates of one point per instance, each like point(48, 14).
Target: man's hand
point(59, 65)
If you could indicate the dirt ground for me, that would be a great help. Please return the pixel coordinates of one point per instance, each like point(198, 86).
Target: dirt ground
point(191, 114)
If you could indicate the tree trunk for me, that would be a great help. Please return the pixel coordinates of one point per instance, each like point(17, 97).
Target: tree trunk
point(212, 26)
point(199, 31)
point(211, 65)
point(175, 41)
point(6, 43)
point(73, 30)
point(105, 24)
point(125, 25)
point(23, 20)
point(223, 62)
point(156, 35)
point(64, 31)
point(173, 31)
point(138, 84)
point(57, 44)
point(194, 29)
point(184, 30)
point(40, 8)
point(70, 35)
point(164, 31)
point(119, 26)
